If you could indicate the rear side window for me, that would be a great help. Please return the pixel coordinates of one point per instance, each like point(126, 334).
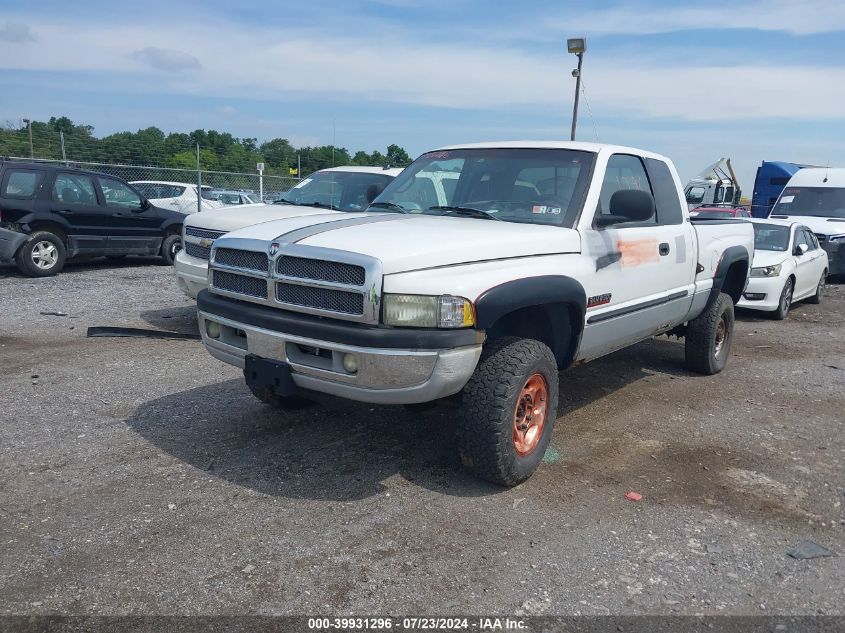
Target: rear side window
point(666, 197)
point(74, 189)
point(21, 183)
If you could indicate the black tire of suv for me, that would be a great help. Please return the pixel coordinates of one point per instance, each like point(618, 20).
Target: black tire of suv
point(491, 400)
point(285, 403)
point(24, 256)
point(709, 337)
point(817, 298)
point(171, 245)
point(784, 301)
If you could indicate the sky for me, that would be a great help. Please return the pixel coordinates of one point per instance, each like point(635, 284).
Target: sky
point(748, 79)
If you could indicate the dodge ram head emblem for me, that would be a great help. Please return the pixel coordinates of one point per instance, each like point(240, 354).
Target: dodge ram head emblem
point(274, 248)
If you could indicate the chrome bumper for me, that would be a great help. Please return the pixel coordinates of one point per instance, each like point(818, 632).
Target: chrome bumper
point(384, 376)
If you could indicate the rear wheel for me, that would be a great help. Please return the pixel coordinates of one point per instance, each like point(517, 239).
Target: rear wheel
point(509, 406)
point(42, 255)
point(171, 245)
point(817, 298)
point(785, 301)
point(709, 337)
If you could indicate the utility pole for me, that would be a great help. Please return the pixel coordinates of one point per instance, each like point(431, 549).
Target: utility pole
point(29, 125)
point(578, 46)
point(62, 139)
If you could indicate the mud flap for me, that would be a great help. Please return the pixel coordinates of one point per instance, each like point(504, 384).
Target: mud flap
point(261, 373)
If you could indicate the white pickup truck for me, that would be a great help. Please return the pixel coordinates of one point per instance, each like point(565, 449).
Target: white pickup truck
point(526, 258)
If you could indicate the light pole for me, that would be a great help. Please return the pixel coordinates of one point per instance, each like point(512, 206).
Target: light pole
point(29, 125)
point(577, 46)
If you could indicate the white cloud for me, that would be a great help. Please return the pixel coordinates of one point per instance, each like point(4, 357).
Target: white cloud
point(16, 32)
point(166, 59)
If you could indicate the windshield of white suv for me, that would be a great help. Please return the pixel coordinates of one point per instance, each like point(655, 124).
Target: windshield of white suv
point(771, 237)
point(816, 202)
point(339, 190)
point(535, 186)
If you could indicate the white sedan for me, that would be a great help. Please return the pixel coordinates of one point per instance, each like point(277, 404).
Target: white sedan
point(178, 196)
point(789, 265)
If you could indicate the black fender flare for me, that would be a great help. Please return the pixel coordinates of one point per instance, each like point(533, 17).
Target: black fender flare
point(732, 255)
point(170, 223)
point(546, 290)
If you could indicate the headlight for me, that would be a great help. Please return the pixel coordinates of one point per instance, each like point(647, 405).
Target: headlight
point(424, 311)
point(766, 271)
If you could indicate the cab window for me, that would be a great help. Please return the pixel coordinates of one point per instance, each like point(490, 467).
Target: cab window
point(623, 172)
point(695, 195)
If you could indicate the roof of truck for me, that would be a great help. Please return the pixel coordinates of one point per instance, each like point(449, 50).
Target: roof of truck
point(818, 177)
point(576, 145)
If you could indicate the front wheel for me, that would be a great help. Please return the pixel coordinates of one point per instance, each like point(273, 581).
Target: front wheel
point(509, 411)
point(709, 337)
point(785, 301)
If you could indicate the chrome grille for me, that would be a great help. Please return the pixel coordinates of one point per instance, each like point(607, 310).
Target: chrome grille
point(195, 250)
point(240, 284)
point(321, 298)
point(321, 270)
point(250, 260)
point(206, 233)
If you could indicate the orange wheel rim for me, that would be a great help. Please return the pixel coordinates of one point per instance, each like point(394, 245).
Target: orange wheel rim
point(530, 414)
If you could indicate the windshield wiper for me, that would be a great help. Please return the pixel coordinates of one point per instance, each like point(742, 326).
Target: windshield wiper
point(319, 205)
point(388, 205)
point(470, 212)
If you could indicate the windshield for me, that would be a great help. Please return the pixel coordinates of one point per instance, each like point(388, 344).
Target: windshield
point(340, 190)
point(817, 202)
point(536, 186)
point(770, 237)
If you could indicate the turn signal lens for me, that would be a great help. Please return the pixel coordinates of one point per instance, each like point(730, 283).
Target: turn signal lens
point(455, 312)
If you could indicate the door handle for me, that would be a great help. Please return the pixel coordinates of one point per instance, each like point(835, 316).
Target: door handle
point(118, 215)
point(65, 211)
point(664, 249)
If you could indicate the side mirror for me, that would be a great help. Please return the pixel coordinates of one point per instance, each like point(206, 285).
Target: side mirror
point(628, 205)
point(801, 249)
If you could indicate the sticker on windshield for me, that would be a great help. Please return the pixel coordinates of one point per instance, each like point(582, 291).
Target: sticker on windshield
point(555, 210)
point(302, 184)
point(539, 209)
point(438, 155)
point(787, 199)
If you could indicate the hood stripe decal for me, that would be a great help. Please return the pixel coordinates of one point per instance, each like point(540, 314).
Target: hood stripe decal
point(297, 235)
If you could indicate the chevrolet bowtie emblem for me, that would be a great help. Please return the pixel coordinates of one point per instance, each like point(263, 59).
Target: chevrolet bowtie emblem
point(206, 243)
point(274, 248)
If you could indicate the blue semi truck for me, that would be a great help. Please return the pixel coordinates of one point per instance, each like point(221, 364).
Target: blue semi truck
point(771, 178)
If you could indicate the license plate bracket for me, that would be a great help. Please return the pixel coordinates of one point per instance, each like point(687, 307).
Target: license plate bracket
point(265, 373)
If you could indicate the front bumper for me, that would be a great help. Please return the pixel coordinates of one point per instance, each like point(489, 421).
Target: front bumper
point(191, 273)
point(10, 242)
point(394, 366)
point(769, 287)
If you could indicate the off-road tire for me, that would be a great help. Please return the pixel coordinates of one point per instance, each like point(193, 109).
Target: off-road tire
point(817, 298)
point(25, 261)
point(785, 300)
point(485, 433)
point(703, 351)
point(171, 245)
point(285, 403)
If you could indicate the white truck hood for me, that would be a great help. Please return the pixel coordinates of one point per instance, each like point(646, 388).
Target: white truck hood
point(412, 242)
point(822, 226)
point(234, 218)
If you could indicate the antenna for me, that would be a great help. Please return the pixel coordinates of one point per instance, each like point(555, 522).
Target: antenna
point(825, 171)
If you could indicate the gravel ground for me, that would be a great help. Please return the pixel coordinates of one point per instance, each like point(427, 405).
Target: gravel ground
point(140, 477)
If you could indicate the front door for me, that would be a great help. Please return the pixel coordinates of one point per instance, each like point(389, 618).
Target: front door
point(645, 271)
point(134, 226)
point(74, 197)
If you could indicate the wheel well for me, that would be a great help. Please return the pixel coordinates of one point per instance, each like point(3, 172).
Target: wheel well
point(174, 229)
point(53, 227)
point(735, 279)
point(557, 325)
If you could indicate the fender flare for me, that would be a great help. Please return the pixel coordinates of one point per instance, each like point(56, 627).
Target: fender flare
point(732, 255)
point(546, 290)
point(170, 222)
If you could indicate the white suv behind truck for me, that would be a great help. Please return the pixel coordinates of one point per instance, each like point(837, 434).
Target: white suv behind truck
point(329, 191)
point(533, 257)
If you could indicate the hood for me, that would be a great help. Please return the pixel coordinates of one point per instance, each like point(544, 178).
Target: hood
point(411, 242)
point(769, 258)
point(236, 217)
point(822, 226)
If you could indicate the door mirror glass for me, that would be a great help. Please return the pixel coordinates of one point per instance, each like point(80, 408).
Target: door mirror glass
point(628, 205)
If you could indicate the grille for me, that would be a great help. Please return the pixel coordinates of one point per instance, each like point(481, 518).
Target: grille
point(252, 286)
point(251, 260)
point(321, 270)
point(195, 250)
point(195, 232)
point(321, 298)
